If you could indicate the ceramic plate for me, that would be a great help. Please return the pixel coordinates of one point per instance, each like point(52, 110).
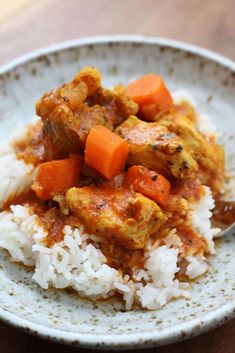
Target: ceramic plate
point(59, 315)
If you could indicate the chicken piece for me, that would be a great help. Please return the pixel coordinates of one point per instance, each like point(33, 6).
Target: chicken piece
point(68, 131)
point(208, 154)
point(116, 101)
point(71, 94)
point(116, 214)
point(69, 112)
point(154, 147)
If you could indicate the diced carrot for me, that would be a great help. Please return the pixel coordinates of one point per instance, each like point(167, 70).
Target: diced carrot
point(56, 177)
point(150, 92)
point(105, 152)
point(148, 183)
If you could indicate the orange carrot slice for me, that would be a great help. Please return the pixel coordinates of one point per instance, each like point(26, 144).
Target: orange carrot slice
point(150, 92)
point(148, 183)
point(56, 177)
point(105, 152)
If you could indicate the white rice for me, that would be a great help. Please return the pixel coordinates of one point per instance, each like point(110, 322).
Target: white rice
point(196, 266)
point(17, 231)
point(172, 240)
point(161, 268)
point(154, 298)
point(75, 263)
point(15, 176)
point(200, 218)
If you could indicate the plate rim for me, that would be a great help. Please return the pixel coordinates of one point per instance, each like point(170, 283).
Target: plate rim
point(130, 340)
point(124, 38)
point(144, 339)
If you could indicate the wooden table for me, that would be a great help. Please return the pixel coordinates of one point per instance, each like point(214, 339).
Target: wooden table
point(29, 24)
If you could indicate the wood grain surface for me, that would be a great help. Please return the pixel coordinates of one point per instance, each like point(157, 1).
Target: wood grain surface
point(29, 24)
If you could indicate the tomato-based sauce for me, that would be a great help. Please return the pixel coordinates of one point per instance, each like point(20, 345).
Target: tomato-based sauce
point(50, 216)
point(53, 221)
point(189, 189)
point(28, 199)
point(122, 258)
point(224, 212)
point(190, 239)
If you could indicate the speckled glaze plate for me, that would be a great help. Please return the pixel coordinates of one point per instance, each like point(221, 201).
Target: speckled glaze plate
point(62, 316)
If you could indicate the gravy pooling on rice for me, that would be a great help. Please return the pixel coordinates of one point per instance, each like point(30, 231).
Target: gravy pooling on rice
point(129, 167)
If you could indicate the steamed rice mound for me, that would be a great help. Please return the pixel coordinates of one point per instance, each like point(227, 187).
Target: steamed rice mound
point(77, 261)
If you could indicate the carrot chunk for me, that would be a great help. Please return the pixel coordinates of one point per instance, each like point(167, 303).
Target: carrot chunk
point(105, 152)
point(56, 177)
point(151, 94)
point(148, 183)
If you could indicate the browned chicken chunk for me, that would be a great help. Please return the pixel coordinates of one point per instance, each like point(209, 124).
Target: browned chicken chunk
point(69, 112)
point(154, 147)
point(116, 214)
point(208, 154)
